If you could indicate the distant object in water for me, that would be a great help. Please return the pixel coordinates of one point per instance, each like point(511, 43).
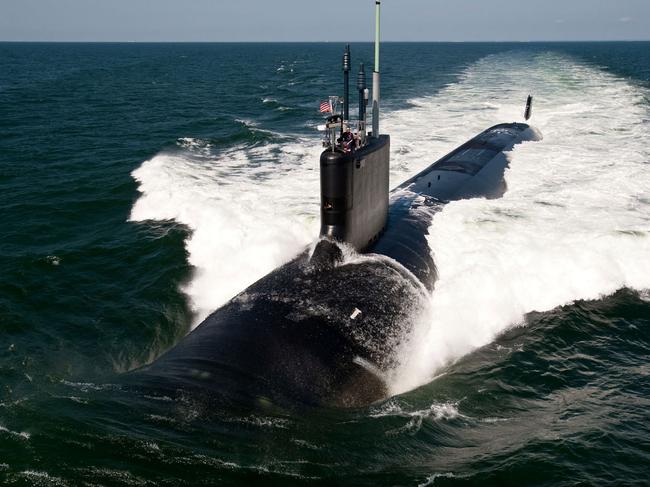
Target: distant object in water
point(529, 108)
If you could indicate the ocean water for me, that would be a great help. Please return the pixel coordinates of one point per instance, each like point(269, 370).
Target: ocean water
point(144, 185)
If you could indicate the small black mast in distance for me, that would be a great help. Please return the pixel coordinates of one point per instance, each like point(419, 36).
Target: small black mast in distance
point(529, 107)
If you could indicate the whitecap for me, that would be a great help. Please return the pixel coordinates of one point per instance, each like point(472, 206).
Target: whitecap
point(592, 165)
point(20, 434)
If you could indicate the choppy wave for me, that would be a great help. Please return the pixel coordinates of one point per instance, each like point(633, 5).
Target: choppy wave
point(573, 225)
point(19, 434)
point(249, 209)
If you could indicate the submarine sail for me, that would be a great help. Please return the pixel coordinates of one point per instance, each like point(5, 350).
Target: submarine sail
point(354, 171)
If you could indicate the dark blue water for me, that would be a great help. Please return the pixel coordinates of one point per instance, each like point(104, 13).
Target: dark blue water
point(87, 293)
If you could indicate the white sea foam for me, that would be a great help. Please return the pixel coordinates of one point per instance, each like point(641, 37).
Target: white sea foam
point(431, 480)
point(574, 224)
point(249, 210)
point(36, 478)
point(53, 260)
point(193, 144)
point(415, 419)
point(436, 411)
point(20, 434)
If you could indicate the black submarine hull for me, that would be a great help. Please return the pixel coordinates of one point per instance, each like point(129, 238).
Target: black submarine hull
point(325, 328)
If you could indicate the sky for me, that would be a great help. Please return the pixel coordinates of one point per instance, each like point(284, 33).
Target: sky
point(327, 20)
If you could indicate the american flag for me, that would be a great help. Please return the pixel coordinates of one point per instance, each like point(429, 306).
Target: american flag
point(326, 107)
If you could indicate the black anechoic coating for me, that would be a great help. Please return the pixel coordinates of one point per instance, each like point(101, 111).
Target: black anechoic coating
point(292, 338)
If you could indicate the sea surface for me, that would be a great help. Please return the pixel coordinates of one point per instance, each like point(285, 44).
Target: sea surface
point(144, 185)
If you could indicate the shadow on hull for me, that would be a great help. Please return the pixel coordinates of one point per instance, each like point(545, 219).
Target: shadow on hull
point(324, 328)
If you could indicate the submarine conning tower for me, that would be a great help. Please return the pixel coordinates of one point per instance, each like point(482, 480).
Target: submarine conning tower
point(354, 193)
point(354, 167)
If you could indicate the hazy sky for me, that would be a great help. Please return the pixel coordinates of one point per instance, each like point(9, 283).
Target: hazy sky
point(326, 20)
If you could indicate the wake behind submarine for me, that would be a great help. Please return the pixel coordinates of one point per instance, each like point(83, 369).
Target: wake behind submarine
point(324, 328)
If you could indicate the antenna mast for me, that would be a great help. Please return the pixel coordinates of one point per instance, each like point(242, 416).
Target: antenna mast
point(346, 83)
point(375, 74)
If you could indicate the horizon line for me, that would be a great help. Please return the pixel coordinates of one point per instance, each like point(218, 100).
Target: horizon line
point(313, 42)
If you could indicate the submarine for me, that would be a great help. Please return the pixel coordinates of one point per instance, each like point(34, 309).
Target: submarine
point(324, 328)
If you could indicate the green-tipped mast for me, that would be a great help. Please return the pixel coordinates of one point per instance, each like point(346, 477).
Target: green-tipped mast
point(375, 74)
point(377, 27)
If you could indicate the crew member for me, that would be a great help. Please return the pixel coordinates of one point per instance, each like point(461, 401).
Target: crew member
point(347, 140)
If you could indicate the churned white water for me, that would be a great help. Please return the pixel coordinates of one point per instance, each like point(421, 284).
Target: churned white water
point(249, 211)
point(574, 224)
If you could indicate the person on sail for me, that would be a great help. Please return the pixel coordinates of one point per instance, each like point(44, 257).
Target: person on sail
point(347, 140)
